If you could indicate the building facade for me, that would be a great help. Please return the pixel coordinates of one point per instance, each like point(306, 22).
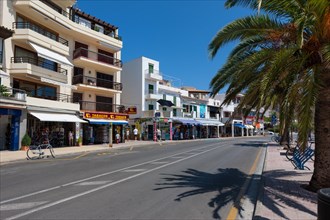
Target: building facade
point(68, 64)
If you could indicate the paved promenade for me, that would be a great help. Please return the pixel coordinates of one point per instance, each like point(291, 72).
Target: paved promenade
point(281, 196)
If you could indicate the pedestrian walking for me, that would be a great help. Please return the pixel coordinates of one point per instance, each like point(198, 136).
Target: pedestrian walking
point(159, 134)
point(117, 138)
point(127, 134)
point(70, 135)
point(135, 131)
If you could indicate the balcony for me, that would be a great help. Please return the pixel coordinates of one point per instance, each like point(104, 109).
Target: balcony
point(151, 96)
point(12, 96)
point(101, 106)
point(99, 61)
point(45, 94)
point(96, 83)
point(38, 29)
point(38, 67)
point(154, 75)
point(151, 114)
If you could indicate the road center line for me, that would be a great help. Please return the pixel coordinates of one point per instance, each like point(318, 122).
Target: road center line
point(100, 175)
point(104, 186)
point(234, 211)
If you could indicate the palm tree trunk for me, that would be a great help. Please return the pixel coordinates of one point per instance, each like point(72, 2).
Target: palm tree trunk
point(321, 175)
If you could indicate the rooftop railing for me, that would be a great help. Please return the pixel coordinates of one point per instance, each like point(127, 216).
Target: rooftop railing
point(40, 63)
point(86, 80)
point(82, 52)
point(40, 30)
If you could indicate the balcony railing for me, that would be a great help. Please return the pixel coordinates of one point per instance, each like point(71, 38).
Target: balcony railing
point(12, 93)
point(82, 52)
point(96, 28)
point(101, 106)
point(39, 62)
point(60, 11)
point(80, 79)
point(40, 30)
point(45, 94)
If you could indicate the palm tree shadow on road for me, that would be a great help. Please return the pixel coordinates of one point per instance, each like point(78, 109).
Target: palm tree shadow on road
point(228, 184)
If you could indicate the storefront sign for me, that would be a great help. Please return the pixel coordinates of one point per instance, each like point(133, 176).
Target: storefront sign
point(131, 111)
point(108, 116)
point(202, 111)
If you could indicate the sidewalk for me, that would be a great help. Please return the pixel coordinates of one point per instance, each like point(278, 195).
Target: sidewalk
point(281, 196)
point(10, 156)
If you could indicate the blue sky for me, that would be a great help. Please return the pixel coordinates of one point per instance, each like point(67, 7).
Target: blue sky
point(175, 33)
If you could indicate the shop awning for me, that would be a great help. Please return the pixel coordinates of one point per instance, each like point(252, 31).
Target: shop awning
point(50, 55)
point(210, 122)
point(186, 121)
point(4, 74)
point(56, 117)
point(239, 125)
point(105, 121)
point(164, 102)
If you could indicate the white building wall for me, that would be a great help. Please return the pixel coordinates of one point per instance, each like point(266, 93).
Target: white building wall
point(133, 85)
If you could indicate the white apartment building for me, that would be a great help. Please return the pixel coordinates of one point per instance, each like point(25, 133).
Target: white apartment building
point(178, 112)
point(68, 64)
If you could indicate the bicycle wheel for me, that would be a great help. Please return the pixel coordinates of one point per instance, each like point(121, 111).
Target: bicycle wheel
point(32, 154)
point(273, 138)
point(289, 153)
point(52, 152)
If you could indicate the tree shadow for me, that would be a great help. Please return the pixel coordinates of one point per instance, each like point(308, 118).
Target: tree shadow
point(227, 182)
point(279, 190)
point(251, 144)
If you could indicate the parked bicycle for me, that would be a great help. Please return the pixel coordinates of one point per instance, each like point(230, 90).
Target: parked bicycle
point(40, 151)
point(276, 138)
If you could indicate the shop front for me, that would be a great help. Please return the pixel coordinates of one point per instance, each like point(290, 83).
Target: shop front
point(58, 128)
point(104, 127)
point(185, 128)
point(10, 128)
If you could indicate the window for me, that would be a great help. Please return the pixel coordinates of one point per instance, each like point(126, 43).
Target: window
point(104, 104)
point(78, 71)
point(226, 114)
point(105, 57)
point(174, 100)
point(151, 68)
point(164, 96)
point(174, 112)
point(83, 22)
point(36, 90)
point(164, 109)
point(151, 89)
point(151, 107)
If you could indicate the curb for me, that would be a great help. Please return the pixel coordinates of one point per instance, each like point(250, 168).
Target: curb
point(259, 202)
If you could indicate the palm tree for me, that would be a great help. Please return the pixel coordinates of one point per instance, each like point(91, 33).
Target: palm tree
point(283, 59)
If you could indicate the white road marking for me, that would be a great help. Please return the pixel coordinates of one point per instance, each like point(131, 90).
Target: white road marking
point(177, 157)
point(160, 162)
point(102, 187)
point(25, 205)
point(134, 170)
point(97, 176)
point(92, 183)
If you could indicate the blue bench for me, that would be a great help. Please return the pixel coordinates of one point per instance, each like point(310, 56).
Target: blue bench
point(300, 158)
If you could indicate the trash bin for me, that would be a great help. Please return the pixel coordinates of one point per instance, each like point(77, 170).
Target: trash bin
point(323, 204)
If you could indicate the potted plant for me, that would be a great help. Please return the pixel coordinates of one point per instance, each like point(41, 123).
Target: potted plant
point(26, 142)
point(79, 141)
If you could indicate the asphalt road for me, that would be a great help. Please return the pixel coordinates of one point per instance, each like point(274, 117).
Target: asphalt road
point(203, 179)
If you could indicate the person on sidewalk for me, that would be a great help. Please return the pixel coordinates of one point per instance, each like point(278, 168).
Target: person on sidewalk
point(159, 134)
point(117, 138)
point(127, 134)
point(135, 131)
point(70, 138)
